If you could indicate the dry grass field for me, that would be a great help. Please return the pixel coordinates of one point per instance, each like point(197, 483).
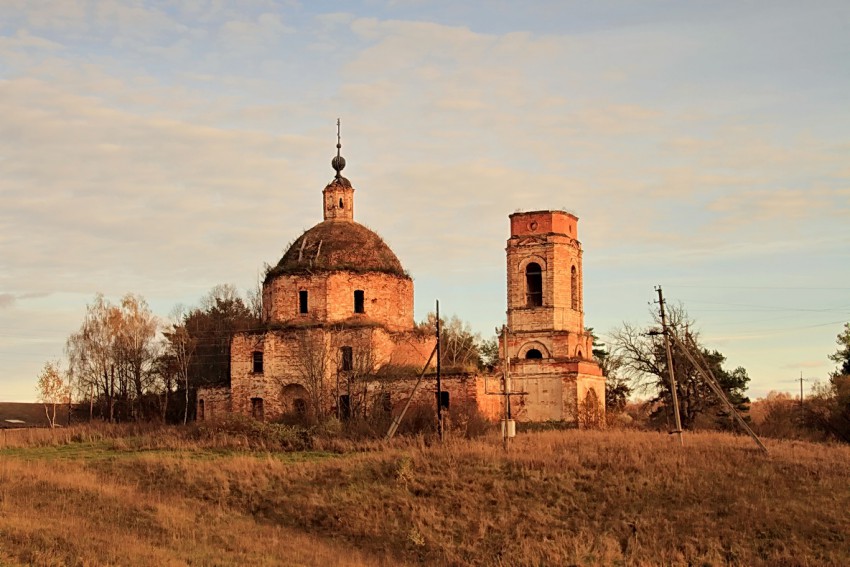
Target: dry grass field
point(113, 496)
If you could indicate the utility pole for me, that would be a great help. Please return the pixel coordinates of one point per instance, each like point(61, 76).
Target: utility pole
point(802, 412)
point(439, 384)
point(709, 378)
point(508, 424)
point(397, 421)
point(674, 395)
point(506, 433)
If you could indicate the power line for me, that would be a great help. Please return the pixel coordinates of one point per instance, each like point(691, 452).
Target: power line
point(761, 287)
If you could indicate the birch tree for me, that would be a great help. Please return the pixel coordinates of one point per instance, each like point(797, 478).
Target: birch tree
point(52, 390)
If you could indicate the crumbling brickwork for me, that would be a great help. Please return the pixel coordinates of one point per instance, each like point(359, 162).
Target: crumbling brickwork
point(212, 402)
point(550, 352)
point(387, 299)
point(339, 335)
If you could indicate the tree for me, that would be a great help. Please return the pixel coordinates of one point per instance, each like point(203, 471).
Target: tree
point(211, 326)
point(489, 352)
point(113, 353)
point(313, 366)
point(52, 390)
point(91, 353)
point(459, 345)
point(136, 347)
point(828, 408)
point(617, 390)
point(842, 354)
point(643, 360)
point(179, 355)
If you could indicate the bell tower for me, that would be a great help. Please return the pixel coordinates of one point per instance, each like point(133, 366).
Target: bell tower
point(550, 353)
point(338, 196)
point(545, 302)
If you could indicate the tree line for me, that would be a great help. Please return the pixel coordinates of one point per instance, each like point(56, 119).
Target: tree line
point(637, 362)
point(124, 363)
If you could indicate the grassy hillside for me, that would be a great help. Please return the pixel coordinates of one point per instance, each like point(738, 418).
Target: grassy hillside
point(556, 498)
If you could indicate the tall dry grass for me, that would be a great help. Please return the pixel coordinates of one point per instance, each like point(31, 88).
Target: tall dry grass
point(555, 498)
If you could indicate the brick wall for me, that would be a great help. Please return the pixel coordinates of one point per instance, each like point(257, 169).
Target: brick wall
point(312, 358)
point(212, 402)
point(388, 299)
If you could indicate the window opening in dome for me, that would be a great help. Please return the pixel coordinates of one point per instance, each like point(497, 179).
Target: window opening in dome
point(257, 410)
point(258, 362)
point(533, 285)
point(358, 301)
point(533, 353)
point(302, 301)
point(347, 355)
point(340, 203)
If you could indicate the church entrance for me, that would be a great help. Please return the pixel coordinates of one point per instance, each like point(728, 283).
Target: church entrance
point(295, 400)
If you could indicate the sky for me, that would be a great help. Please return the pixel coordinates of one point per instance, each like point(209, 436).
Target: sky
point(162, 148)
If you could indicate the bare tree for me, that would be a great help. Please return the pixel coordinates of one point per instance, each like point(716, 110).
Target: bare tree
point(181, 347)
point(137, 349)
point(355, 364)
point(641, 357)
point(460, 347)
point(254, 298)
point(91, 352)
point(52, 390)
point(313, 367)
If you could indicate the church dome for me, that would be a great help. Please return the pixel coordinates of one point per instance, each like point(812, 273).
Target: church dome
point(335, 245)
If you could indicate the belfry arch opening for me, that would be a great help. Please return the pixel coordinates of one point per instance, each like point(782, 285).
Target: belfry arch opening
point(533, 285)
point(533, 353)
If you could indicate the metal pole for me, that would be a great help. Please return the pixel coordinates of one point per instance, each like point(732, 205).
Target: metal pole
point(678, 419)
point(439, 383)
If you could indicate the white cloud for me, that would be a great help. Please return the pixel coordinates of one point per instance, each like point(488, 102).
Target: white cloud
point(163, 149)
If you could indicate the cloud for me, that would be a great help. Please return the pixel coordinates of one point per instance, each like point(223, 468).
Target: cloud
point(6, 300)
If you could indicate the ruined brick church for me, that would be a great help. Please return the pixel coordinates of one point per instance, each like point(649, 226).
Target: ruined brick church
point(339, 336)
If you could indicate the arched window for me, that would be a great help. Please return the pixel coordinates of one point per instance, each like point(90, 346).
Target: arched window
point(533, 353)
point(340, 203)
point(574, 287)
point(533, 285)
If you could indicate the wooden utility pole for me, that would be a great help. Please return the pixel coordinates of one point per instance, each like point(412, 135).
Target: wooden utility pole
point(506, 387)
point(709, 378)
point(397, 421)
point(674, 395)
point(802, 412)
point(439, 383)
